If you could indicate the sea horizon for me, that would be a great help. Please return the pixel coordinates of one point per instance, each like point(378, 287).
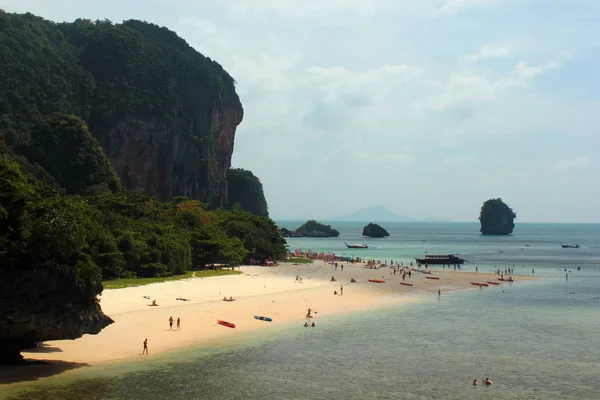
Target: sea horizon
point(440, 221)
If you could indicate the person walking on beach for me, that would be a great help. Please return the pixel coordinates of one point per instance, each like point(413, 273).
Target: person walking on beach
point(341, 290)
point(171, 323)
point(145, 351)
point(178, 323)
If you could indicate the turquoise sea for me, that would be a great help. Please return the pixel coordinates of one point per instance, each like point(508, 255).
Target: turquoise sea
point(534, 339)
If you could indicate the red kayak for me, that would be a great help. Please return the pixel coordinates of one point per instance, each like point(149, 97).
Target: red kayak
point(505, 280)
point(376, 280)
point(225, 323)
point(479, 284)
point(492, 283)
point(406, 283)
point(432, 277)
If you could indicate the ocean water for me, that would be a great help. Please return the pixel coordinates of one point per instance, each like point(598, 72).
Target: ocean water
point(531, 245)
point(534, 340)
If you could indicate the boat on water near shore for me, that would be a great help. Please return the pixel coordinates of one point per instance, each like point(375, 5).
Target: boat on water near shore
point(376, 280)
point(268, 319)
point(449, 259)
point(356, 246)
point(569, 246)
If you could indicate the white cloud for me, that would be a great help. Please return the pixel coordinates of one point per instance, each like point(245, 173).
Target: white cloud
point(574, 162)
point(525, 72)
point(349, 93)
point(493, 51)
point(453, 6)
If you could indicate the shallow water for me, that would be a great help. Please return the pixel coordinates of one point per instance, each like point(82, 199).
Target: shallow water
point(535, 340)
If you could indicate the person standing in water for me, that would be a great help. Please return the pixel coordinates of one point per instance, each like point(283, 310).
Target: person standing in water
point(171, 323)
point(145, 351)
point(178, 323)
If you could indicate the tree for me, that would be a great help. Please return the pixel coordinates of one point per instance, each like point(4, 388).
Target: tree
point(64, 147)
point(496, 218)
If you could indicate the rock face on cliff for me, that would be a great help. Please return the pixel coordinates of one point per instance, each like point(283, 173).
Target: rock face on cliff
point(44, 304)
point(164, 114)
point(374, 230)
point(244, 190)
point(153, 158)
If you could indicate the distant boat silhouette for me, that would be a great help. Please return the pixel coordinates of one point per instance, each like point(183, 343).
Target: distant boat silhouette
point(356, 246)
point(569, 246)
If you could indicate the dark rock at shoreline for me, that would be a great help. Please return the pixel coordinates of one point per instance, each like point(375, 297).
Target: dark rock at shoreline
point(374, 230)
point(43, 304)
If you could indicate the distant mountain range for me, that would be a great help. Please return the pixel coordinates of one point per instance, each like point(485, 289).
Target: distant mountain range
point(380, 214)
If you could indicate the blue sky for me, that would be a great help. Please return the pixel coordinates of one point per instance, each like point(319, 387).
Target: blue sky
point(425, 107)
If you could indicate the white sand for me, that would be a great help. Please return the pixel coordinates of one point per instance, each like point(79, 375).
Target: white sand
point(267, 291)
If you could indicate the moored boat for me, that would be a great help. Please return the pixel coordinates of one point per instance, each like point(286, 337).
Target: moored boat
point(268, 319)
point(376, 280)
point(505, 280)
point(230, 299)
point(225, 323)
point(432, 277)
point(356, 246)
point(569, 246)
point(446, 259)
point(406, 283)
point(492, 283)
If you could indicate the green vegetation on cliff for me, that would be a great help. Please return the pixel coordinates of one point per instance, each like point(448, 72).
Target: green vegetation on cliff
point(496, 218)
point(152, 101)
point(73, 95)
point(246, 192)
point(124, 234)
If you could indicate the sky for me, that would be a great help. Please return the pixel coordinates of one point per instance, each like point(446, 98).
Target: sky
point(426, 107)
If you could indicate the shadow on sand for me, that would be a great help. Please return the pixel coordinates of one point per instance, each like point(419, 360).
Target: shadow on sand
point(35, 370)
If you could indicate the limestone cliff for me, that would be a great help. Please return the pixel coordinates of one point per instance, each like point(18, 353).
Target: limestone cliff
point(44, 304)
point(158, 159)
point(164, 114)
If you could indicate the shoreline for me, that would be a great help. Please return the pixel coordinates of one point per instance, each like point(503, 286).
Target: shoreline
point(268, 291)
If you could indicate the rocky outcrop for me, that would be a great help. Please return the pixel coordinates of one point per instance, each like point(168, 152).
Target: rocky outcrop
point(374, 230)
point(289, 233)
point(48, 303)
point(311, 228)
point(160, 160)
point(496, 218)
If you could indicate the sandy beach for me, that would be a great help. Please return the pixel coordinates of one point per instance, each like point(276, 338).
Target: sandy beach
point(269, 291)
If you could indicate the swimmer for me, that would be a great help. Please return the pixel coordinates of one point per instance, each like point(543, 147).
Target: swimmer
point(474, 382)
point(488, 381)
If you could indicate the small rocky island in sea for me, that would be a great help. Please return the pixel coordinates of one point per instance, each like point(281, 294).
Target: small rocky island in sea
point(496, 218)
point(311, 228)
point(374, 231)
